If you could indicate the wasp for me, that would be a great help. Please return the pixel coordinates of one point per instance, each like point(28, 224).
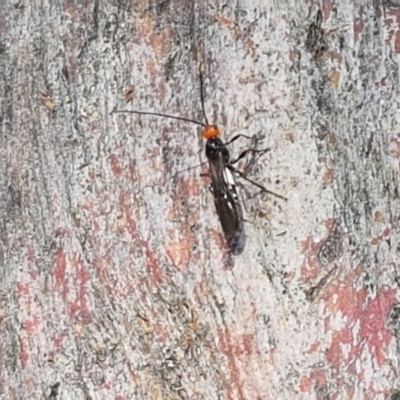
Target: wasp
point(222, 170)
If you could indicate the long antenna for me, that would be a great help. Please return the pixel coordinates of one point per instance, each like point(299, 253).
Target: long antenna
point(159, 115)
point(205, 125)
point(202, 91)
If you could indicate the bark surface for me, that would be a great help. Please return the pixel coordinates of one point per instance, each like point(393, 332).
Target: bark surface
point(115, 282)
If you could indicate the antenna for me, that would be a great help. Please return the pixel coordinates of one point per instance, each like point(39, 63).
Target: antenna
point(209, 132)
point(202, 92)
point(159, 115)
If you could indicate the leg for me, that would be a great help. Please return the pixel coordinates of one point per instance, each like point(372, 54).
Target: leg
point(246, 151)
point(233, 169)
point(242, 154)
point(237, 137)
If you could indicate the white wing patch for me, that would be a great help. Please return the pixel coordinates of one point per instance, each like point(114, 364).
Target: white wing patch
point(230, 182)
point(229, 177)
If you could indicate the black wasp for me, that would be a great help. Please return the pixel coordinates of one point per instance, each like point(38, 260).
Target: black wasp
point(223, 185)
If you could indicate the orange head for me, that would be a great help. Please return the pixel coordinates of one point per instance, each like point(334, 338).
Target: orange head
point(210, 131)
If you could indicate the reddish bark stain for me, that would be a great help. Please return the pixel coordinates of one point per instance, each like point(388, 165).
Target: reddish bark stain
point(71, 9)
point(219, 238)
point(59, 272)
point(14, 395)
point(378, 216)
point(62, 233)
point(358, 27)
point(341, 296)
point(249, 44)
point(394, 32)
point(23, 353)
point(382, 82)
point(316, 379)
point(310, 266)
point(375, 241)
point(226, 347)
point(88, 206)
point(329, 224)
point(294, 55)
point(232, 26)
point(162, 332)
point(328, 176)
point(116, 168)
point(335, 355)
point(119, 397)
point(190, 188)
point(100, 265)
point(82, 278)
point(201, 292)
point(73, 309)
point(31, 255)
point(305, 384)
point(57, 342)
point(387, 23)
point(350, 392)
point(383, 236)
point(373, 323)
point(143, 284)
point(31, 325)
point(152, 264)
point(22, 289)
point(244, 345)
point(397, 42)
point(356, 310)
point(396, 141)
point(151, 68)
point(134, 173)
point(159, 42)
point(314, 347)
point(130, 222)
point(179, 252)
point(184, 189)
point(327, 7)
point(319, 377)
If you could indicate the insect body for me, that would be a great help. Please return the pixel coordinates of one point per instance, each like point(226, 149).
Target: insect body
point(225, 196)
point(223, 185)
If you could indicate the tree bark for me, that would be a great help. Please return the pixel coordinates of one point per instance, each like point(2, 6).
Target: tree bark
point(115, 278)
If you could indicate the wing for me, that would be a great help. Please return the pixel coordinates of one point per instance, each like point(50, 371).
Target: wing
point(227, 204)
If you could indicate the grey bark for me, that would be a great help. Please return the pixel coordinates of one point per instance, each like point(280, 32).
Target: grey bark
point(115, 280)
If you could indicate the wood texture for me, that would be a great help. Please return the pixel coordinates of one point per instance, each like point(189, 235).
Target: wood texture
point(115, 282)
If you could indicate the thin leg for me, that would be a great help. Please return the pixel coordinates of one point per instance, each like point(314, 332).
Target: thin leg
point(237, 137)
point(242, 154)
point(233, 169)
